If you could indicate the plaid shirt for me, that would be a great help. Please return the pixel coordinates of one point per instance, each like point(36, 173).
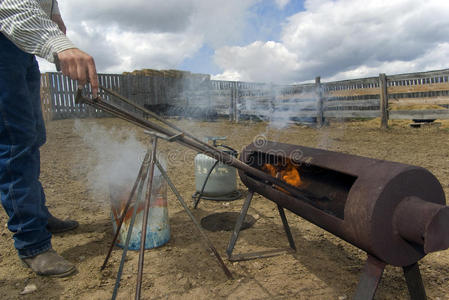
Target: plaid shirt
point(28, 24)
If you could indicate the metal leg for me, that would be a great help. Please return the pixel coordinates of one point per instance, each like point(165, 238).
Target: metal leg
point(414, 282)
point(286, 227)
point(145, 221)
point(197, 225)
point(371, 275)
point(239, 223)
point(129, 233)
point(260, 254)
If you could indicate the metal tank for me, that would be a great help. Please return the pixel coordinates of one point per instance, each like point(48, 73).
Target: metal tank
point(222, 180)
point(215, 180)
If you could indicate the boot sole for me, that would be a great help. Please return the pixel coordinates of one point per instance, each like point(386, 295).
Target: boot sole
point(61, 275)
point(65, 274)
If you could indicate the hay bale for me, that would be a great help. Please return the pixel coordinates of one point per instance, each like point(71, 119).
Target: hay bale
point(415, 107)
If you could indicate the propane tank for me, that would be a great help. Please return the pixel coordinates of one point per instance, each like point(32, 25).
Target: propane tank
point(215, 180)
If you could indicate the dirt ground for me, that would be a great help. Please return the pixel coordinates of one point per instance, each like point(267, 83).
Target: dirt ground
point(324, 267)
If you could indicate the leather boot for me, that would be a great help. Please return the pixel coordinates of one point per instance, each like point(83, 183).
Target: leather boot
point(49, 263)
point(56, 225)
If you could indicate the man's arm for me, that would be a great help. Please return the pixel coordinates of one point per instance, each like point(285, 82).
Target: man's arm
point(58, 20)
point(32, 30)
point(74, 62)
point(56, 16)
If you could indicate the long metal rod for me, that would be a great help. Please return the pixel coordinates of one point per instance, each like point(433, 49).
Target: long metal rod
point(153, 115)
point(145, 220)
point(192, 144)
point(129, 233)
point(192, 217)
point(146, 124)
point(125, 210)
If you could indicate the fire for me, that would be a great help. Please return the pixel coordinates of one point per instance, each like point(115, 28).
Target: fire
point(287, 173)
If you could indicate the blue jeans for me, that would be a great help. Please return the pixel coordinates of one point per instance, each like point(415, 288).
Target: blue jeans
point(22, 132)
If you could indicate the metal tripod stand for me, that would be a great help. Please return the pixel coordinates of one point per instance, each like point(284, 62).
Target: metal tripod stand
point(146, 174)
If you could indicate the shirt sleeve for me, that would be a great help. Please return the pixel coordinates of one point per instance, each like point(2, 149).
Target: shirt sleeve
point(30, 28)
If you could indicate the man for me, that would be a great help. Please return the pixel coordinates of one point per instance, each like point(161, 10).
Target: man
point(29, 28)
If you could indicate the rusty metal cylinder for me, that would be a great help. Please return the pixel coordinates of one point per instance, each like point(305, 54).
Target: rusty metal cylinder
point(393, 211)
point(423, 223)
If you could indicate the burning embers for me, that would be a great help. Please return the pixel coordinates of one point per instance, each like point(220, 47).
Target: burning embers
point(286, 171)
point(320, 187)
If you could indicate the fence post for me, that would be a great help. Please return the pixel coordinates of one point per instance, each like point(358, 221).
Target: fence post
point(236, 104)
point(231, 102)
point(45, 97)
point(52, 96)
point(273, 95)
point(383, 101)
point(320, 106)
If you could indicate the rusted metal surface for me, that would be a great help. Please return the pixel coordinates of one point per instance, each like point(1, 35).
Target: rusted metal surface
point(429, 226)
point(395, 212)
point(363, 201)
point(414, 282)
point(370, 279)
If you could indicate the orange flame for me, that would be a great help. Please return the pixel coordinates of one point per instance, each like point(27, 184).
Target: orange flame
point(287, 173)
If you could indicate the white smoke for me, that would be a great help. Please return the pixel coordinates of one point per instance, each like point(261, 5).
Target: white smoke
point(278, 106)
point(114, 159)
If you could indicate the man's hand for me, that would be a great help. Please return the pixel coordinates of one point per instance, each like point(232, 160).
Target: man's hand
point(79, 66)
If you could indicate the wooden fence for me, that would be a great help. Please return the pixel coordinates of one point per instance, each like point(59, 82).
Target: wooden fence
point(58, 93)
point(388, 97)
point(58, 96)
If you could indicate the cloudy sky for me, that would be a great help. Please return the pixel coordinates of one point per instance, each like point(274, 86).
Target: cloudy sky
point(281, 41)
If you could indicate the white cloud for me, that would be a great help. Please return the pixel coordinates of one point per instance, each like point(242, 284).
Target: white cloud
point(266, 60)
point(228, 75)
point(424, 62)
point(334, 39)
point(118, 51)
point(221, 22)
point(347, 38)
point(123, 36)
